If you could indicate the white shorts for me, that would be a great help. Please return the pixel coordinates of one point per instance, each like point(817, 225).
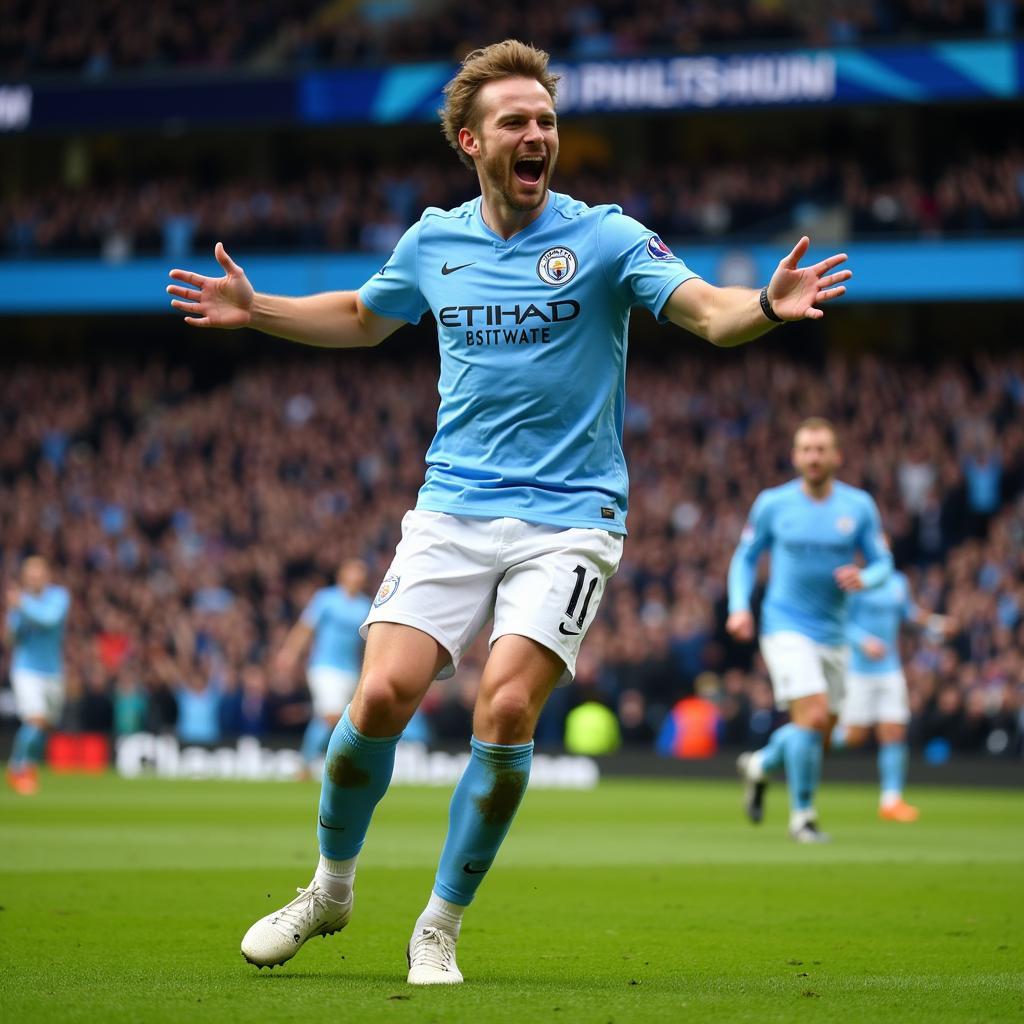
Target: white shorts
point(800, 667)
point(871, 699)
point(331, 689)
point(37, 694)
point(451, 574)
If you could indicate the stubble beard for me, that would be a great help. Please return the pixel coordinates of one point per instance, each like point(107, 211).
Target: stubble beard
point(495, 182)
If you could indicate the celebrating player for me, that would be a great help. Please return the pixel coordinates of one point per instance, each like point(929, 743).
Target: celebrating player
point(876, 690)
point(36, 614)
point(813, 527)
point(523, 512)
point(332, 619)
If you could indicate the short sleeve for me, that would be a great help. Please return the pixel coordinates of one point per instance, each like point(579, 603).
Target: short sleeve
point(639, 262)
point(394, 291)
point(313, 611)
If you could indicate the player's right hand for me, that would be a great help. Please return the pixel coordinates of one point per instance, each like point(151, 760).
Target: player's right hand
point(740, 626)
point(874, 648)
point(219, 301)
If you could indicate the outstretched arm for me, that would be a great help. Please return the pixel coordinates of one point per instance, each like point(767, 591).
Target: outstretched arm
point(329, 320)
point(732, 316)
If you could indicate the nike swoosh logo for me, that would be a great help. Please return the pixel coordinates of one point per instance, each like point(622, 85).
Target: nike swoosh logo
point(568, 632)
point(470, 870)
point(446, 270)
point(333, 828)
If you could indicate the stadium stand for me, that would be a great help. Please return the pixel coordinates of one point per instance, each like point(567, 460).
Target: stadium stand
point(367, 206)
point(97, 39)
point(192, 522)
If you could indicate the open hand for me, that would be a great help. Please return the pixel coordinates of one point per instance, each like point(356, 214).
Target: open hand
point(219, 301)
point(796, 292)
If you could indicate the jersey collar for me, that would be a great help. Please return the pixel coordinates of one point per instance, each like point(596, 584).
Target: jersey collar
point(532, 228)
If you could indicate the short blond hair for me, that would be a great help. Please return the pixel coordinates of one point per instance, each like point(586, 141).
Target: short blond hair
point(817, 423)
point(507, 59)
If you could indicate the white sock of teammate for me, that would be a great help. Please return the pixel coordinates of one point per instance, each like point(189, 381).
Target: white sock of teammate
point(440, 914)
point(336, 877)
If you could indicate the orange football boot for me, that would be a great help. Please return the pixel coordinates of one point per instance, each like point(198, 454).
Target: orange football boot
point(24, 782)
point(898, 810)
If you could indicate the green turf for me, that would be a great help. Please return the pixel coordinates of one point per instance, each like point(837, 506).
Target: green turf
point(640, 901)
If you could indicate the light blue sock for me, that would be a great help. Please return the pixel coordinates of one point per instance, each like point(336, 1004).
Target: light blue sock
point(357, 772)
point(773, 753)
point(37, 748)
point(29, 746)
point(892, 768)
point(483, 805)
point(803, 767)
point(315, 739)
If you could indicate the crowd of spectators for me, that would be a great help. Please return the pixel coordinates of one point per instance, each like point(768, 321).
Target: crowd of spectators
point(598, 29)
point(367, 207)
point(96, 39)
point(192, 519)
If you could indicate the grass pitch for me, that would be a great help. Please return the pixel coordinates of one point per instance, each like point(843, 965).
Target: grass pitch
point(640, 901)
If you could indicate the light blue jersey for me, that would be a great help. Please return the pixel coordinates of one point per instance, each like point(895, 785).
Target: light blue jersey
point(37, 628)
point(879, 613)
point(335, 618)
point(532, 331)
point(808, 540)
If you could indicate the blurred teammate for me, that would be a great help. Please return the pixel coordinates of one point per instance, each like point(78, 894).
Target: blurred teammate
point(36, 614)
point(522, 515)
point(332, 619)
point(813, 527)
point(876, 690)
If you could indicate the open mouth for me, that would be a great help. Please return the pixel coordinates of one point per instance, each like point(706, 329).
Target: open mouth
point(529, 169)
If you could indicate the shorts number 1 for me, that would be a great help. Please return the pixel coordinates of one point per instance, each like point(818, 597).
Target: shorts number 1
point(570, 611)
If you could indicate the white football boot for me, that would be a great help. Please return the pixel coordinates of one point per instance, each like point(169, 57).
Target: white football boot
point(748, 766)
point(431, 956)
point(277, 937)
point(807, 831)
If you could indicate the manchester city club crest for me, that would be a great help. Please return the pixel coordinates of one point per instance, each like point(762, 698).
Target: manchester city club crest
point(387, 590)
point(846, 525)
point(557, 266)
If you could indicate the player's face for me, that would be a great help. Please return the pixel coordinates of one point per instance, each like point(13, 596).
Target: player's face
point(352, 576)
point(34, 575)
point(815, 455)
point(516, 143)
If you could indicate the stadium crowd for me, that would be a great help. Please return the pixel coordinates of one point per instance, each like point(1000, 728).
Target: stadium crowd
point(366, 206)
point(96, 39)
point(192, 519)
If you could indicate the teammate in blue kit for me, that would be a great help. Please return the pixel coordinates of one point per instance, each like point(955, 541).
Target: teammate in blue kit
point(36, 614)
point(522, 515)
point(332, 620)
point(876, 690)
point(813, 527)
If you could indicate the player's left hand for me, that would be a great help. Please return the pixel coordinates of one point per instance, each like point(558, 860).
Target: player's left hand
point(796, 292)
point(847, 578)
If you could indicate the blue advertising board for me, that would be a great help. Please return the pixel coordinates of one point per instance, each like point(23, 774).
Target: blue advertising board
point(963, 70)
point(925, 271)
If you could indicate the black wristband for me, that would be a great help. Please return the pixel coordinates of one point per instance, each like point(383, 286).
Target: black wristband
point(766, 307)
